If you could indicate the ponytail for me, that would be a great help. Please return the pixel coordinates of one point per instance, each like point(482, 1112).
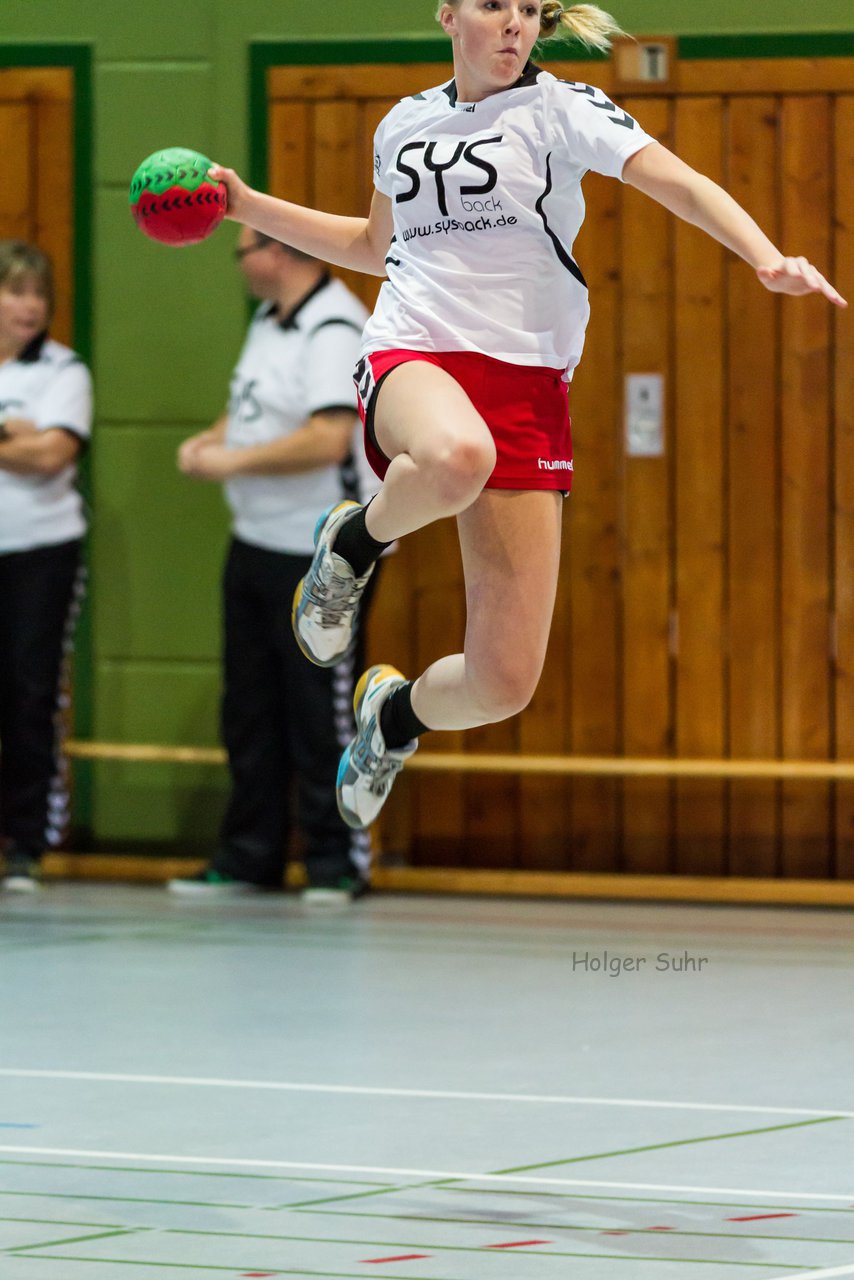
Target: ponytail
point(586, 22)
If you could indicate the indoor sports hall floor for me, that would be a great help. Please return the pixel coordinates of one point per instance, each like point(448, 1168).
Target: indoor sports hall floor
point(423, 1089)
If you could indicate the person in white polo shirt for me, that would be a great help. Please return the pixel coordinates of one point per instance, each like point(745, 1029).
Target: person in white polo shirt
point(286, 448)
point(45, 419)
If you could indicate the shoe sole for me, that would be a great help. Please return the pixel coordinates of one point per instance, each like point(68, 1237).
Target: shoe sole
point(382, 670)
point(19, 884)
point(326, 899)
point(303, 648)
point(211, 891)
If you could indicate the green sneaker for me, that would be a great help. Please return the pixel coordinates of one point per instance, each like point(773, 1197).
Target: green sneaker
point(209, 883)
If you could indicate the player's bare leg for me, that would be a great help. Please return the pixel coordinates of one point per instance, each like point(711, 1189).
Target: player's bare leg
point(510, 545)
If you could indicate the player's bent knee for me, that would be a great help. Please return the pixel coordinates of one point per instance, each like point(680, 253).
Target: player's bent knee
point(461, 469)
point(507, 691)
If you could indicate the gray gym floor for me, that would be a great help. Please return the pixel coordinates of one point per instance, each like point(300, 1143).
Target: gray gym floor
point(423, 1089)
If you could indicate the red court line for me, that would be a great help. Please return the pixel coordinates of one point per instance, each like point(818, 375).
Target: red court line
point(517, 1244)
point(661, 1228)
point(406, 1257)
point(763, 1217)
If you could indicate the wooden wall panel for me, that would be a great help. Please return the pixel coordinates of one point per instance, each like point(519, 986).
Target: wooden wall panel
point(338, 166)
point(700, 479)
point(843, 567)
point(753, 594)
point(17, 145)
point(54, 200)
point(805, 580)
point(647, 332)
point(699, 590)
point(291, 164)
point(592, 556)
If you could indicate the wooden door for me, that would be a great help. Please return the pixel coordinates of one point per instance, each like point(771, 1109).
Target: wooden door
point(36, 193)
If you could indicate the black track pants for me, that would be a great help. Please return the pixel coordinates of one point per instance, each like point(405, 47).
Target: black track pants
point(285, 723)
point(38, 595)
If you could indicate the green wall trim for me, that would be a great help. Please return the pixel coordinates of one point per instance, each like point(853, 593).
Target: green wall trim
point(78, 56)
point(794, 44)
point(34, 54)
point(312, 53)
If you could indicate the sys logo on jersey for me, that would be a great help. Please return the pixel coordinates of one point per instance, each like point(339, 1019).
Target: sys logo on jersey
point(243, 405)
point(463, 179)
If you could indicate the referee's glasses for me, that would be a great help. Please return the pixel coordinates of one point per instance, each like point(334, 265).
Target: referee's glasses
point(249, 248)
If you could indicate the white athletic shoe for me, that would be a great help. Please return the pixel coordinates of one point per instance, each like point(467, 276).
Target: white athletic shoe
point(326, 601)
point(22, 874)
point(368, 767)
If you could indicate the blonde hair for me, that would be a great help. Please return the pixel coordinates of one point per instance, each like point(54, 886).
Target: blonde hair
point(588, 23)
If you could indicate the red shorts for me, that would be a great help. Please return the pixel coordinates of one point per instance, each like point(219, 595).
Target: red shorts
point(525, 407)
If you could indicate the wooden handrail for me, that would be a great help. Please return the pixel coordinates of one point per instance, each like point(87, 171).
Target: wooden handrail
point(457, 762)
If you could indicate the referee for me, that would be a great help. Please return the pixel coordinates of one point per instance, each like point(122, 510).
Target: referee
point(45, 420)
point(286, 448)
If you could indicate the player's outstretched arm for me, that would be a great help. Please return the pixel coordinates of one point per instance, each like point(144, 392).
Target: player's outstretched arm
point(361, 244)
point(696, 199)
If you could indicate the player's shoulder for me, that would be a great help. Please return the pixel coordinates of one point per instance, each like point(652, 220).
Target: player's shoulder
point(588, 109)
point(56, 356)
point(418, 107)
point(572, 93)
point(333, 304)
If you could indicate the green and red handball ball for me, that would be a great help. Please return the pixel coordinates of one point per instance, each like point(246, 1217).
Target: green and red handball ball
point(174, 200)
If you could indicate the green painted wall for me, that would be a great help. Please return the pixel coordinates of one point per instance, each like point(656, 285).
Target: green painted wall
point(167, 325)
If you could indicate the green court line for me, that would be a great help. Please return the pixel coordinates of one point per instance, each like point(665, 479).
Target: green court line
point(58, 1222)
point(192, 1173)
point(57, 1244)
point(349, 1275)
point(666, 1146)
point(454, 1248)
point(209, 1266)
point(69, 1195)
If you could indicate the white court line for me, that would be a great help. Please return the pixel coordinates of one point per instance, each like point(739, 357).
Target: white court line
point(820, 1275)
point(443, 1175)
point(201, 1082)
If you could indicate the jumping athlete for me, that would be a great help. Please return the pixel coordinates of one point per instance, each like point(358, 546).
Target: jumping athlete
point(466, 359)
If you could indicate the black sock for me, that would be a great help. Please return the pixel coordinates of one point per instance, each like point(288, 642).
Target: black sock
point(398, 722)
point(355, 545)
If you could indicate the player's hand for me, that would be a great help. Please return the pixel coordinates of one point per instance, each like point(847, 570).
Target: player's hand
point(212, 461)
point(797, 276)
point(190, 447)
point(19, 427)
point(238, 192)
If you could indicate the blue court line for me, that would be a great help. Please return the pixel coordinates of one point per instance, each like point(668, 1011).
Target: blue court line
point(7, 1124)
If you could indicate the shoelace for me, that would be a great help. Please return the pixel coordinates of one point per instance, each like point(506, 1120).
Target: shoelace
point(333, 596)
point(381, 770)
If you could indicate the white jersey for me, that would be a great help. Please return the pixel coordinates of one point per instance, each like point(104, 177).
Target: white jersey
point(290, 368)
point(487, 204)
point(49, 385)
